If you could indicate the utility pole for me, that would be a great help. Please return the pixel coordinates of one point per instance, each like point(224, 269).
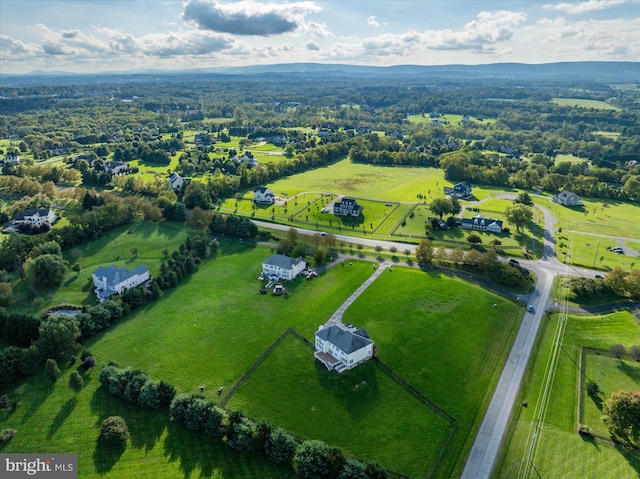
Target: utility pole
point(596, 256)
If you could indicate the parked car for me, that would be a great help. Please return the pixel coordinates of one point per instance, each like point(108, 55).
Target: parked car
point(514, 261)
point(530, 308)
point(618, 250)
point(599, 276)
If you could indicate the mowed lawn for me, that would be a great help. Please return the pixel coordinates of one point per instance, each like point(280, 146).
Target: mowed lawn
point(611, 375)
point(445, 338)
point(367, 181)
point(585, 103)
point(364, 411)
point(561, 452)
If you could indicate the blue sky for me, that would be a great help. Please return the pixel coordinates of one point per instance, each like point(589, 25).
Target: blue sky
point(115, 35)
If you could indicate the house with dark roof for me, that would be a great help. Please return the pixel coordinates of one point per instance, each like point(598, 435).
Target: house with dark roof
point(481, 223)
point(35, 216)
point(262, 194)
point(176, 181)
point(463, 189)
point(347, 207)
point(341, 347)
point(111, 280)
point(283, 267)
point(567, 198)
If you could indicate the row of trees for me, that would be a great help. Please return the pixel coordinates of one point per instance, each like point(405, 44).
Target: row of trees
point(135, 387)
point(311, 459)
point(624, 284)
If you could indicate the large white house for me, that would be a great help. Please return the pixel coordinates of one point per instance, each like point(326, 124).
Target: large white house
point(262, 194)
point(176, 181)
point(111, 280)
point(11, 160)
point(284, 267)
point(347, 207)
point(463, 189)
point(482, 224)
point(567, 198)
point(36, 216)
point(342, 347)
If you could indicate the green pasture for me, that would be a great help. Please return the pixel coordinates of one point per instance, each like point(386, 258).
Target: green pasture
point(367, 181)
point(591, 252)
point(611, 375)
point(560, 158)
point(364, 411)
point(609, 134)
point(446, 118)
point(443, 337)
point(606, 217)
point(583, 103)
point(393, 222)
point(53, 418)
point(482, 192)
point(561, 452)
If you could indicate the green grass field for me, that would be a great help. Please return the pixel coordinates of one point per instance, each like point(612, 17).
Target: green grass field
point(364, 411)
point(561, 452)
point(582, 103)
point(611, 375)
point(367, 181)
point(591, 252)
point(569, 158)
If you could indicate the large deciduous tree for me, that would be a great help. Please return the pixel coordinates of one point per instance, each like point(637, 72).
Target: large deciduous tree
point(622, 414)
point(424, 252)
point(519, 215)
point(441, 206)
point(58, 336)
point(47, 270)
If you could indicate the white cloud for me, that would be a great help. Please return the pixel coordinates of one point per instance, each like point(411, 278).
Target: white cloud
point(582, 7)
point(247, 17)
point(372, 22)
point(317, 29)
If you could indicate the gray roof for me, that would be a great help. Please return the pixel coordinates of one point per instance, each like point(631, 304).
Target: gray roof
point(345, 340)
point(282, 261)
point(31, 212)
point(262, 189)
point(117, 275)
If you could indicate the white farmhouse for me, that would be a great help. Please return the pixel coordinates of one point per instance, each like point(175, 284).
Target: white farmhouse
point(176, 181)
point(11, 160)
point(113, 280)
point(342, 347)
point(567, 198)
point(262, 194)
point(283, 266)
point(36, 216)
point(483, 224)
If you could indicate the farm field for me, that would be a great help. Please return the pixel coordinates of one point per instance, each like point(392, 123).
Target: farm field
point(583, 103)
point(367, 181)
point(570, 158)
point(174, 337)
point(605, 217)
point(364, 411)
point(560, 451)
point(611, 375)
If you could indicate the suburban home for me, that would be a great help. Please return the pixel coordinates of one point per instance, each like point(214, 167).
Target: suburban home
point(116, 167)
point(347, 207)
point(463, 189)
point(111, 280)
point(283, 267)
point(262, 194)
point(36, 216)
point(11, 160)
point(342, 347)
point(176, 181)
point(247, 158)
point(482, 224)
point(566, 198)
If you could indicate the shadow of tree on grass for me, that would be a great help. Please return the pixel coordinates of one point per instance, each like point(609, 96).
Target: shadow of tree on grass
point(105, 457)
point(65, 411)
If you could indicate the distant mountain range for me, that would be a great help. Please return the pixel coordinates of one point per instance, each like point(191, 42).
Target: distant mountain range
point(605, 72)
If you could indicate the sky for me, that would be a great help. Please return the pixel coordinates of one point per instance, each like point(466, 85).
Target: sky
point(88, 36)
